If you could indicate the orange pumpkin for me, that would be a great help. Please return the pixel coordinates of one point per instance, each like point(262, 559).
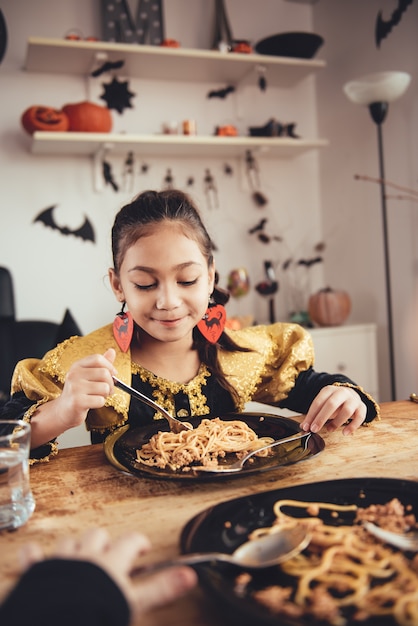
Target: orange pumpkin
point(44, 118)
point(329, 307)
point(87, 117)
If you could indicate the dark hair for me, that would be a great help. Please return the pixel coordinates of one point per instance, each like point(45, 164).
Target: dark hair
point(136, 219)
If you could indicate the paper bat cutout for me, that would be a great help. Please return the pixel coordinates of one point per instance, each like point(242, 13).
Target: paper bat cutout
point(383, 27)
point(221, 93)
point(106, 67)
point(46, 217)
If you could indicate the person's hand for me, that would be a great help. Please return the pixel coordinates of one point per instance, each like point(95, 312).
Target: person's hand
point(333, 407)
point(117, 558)
point(87, 385)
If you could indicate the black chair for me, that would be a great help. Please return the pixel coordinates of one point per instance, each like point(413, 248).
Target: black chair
point(21, 339)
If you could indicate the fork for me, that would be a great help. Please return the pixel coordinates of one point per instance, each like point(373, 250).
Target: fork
point(238, 465)
point(176, 425)
point(403, 541)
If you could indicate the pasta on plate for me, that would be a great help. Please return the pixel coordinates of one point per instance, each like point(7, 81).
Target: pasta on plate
point(213, 439)
point(345, 576)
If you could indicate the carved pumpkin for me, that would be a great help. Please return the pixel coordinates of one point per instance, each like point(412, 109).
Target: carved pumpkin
point(329, 307)
point(44, 118)
point(87, 117)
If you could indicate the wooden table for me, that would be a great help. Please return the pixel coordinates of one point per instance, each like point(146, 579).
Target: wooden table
point(79, 489)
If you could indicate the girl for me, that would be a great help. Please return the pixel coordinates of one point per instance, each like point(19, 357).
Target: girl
point(169, 342)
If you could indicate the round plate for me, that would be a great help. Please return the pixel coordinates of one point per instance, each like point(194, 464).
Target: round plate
point(223, 527)
point(120, 447)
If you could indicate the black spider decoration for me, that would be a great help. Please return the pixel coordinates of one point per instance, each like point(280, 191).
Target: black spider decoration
point(117, 95)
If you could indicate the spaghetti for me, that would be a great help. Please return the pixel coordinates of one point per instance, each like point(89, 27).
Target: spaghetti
point(345, 576)
point(204, 445)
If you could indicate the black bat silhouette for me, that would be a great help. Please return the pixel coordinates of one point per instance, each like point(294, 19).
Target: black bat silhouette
point(221, 93)
point(383, 27)
point(106, 67)
point(259, 226)
point(46, 217)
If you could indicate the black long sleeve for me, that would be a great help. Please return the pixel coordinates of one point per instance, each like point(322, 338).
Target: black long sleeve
point(309, 383)
point(65, 592)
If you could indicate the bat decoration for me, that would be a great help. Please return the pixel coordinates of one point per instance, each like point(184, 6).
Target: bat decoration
point(221, 93)
point(85, 232)
point(117, 95)
point(228, 170)
point(259, 226)
point(108, 176)
point(384, 27)
point(309, 262)
point(261, 235)
point(106, 67)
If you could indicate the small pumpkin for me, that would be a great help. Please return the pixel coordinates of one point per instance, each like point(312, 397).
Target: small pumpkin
point(87, 117)
point(39, 117)
point(329, 307)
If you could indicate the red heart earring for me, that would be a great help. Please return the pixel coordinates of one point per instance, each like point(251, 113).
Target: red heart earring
point(123, 329)
point(212, 323)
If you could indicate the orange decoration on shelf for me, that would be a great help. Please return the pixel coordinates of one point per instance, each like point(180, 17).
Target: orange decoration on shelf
point(87, 117)
point(170, 43)
point(39, 117)
point(226, 131)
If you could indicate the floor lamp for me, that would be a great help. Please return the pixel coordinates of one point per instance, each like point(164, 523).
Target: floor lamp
point(376, 91)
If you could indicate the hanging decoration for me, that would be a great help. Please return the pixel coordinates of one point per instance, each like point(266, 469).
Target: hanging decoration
point(252, 171)
point(46, 217)
point(3, 36)
point(211, 190)
point(228, 169)
point(238, 282)
point(384, 27)
point(258, 229)
point(108, 175)
point(107, 67)
point(117, 95)
point(221, 93)
point(128, 172)
point(168, 182)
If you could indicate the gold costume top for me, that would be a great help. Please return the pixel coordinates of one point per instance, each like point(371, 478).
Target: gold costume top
point(267, 373)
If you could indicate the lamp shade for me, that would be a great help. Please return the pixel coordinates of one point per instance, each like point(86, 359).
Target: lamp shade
point(379, 87)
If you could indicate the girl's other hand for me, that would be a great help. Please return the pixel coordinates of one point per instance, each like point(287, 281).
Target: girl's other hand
point(333, 407)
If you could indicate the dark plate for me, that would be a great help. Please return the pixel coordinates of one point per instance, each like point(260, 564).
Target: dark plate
point(120, 447)
point(294, 44)
point(227, 525)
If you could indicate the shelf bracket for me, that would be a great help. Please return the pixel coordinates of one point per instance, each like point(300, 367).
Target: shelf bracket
point(98, 162)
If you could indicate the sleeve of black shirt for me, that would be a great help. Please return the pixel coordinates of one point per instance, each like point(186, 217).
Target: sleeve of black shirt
point(309, 383)
point(65, 592)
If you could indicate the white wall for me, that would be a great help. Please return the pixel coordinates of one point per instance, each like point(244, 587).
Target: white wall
point(351, 209)
point(52, 272)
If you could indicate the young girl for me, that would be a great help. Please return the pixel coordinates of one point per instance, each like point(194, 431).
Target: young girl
point(169, 342)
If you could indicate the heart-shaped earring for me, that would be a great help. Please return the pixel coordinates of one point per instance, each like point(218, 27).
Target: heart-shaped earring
point(123, 329)
point(212, 323)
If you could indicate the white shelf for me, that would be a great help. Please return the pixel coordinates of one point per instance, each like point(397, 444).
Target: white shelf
point(61, 56)
point(72, 143)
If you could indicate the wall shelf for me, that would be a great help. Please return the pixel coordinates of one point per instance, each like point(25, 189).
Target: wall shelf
point(61, 56)
point(72, 143)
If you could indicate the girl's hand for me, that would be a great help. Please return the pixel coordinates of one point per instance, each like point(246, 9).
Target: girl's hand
point(87, 385)
point(117, 557)
point(333, 407)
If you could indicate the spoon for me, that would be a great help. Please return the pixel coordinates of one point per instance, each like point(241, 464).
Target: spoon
point(239, 464)
point(176, 425)
point(406, 541)
point(267, 551)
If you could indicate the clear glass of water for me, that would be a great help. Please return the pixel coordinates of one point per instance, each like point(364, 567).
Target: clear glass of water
point(16, 500)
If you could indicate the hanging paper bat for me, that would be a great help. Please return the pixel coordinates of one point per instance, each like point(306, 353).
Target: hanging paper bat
point(383, 27)
point(85, 232)
point(106, 67)
point(221, 93)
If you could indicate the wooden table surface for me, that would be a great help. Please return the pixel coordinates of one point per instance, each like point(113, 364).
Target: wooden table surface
point(79, 489)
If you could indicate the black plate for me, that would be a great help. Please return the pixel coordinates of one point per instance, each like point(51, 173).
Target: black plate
point(227, 525)
point(120, 447)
